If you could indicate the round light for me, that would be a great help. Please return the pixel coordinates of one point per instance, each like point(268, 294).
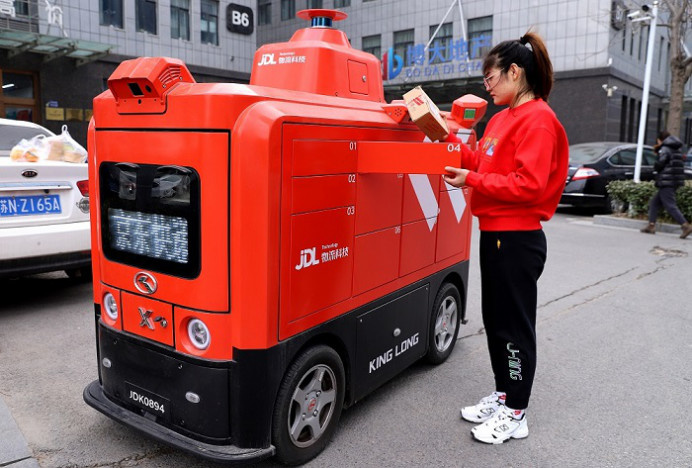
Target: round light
point(111, 306)
point(199, 334)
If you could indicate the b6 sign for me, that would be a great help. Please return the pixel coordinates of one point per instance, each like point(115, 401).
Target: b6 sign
point(240, 19)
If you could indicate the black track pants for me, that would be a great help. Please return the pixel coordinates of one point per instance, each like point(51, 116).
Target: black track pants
point(665, 198)
point(511, 263)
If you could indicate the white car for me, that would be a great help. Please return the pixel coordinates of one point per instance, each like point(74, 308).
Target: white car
point(44, 210)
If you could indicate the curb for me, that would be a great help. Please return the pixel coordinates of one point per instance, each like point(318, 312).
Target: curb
point(617, 221)
point(14, 451)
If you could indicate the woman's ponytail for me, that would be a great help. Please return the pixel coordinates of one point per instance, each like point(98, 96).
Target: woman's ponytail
point(529, 53)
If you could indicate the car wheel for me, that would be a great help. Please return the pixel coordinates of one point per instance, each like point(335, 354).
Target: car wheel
point(444, 326)
point(308, 405)
point(79, 274)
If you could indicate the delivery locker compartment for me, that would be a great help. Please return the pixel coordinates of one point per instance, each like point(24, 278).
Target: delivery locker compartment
point(421, 197)
point(378, 201)
point(148, 318)
point(376, 259)
point(319, 157)
point(390, 338)
point(321, 261)
point(417, 245)
point(453, 225)
point(385, 157)
point(323, 192)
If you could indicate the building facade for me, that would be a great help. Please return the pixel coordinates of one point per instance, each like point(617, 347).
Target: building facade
point(598, 54)
point(57, 55)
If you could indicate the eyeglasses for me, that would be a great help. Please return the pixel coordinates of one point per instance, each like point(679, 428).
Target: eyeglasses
point(487, 79)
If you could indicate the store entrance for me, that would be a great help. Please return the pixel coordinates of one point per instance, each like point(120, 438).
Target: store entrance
point(19, 95)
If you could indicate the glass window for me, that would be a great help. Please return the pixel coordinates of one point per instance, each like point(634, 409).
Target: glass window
point(180, 19)
point(288, 9)
point(210, 22)
point(19, 113)
point(21, 7)
point(264, 11)
point(145, 16)
point(314, 3)
point(402, 41)
point(112, 13)
point(480, 36)
point(439, 50)
point(342, 3)
point(373, 45)
point(17, 85)
point(624, 158)
point(11, 135)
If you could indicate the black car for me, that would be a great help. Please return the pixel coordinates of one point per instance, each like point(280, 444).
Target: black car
point(593, 165)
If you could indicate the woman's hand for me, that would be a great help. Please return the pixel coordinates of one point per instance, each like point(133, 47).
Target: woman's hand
point(458, 179)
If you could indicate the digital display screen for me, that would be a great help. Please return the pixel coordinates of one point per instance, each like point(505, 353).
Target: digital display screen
point(469, 114)
point(148, 234)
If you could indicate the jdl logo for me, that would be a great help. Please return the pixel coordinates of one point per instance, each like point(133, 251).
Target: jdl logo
point(267, 59)
point(308, 257)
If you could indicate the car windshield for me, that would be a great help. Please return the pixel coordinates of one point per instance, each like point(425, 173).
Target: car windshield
point(581, 154)
point(10, 135)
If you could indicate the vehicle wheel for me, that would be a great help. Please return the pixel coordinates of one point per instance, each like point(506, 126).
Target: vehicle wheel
point(79, 274)
point(444, 326)
point(308, 405)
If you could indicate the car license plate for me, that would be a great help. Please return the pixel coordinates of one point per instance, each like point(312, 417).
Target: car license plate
point(25, 205)
point(148, 401)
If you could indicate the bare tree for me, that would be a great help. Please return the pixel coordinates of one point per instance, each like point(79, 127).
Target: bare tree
point(679, 21)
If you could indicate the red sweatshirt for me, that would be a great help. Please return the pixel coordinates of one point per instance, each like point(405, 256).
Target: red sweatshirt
point(519, 170)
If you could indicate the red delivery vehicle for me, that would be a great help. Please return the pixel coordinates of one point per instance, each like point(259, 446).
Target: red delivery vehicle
point(267, 254)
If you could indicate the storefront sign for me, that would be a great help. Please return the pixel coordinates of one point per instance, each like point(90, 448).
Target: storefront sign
point(55, 113)
point(74, 114)
point(440, 60)
point(240, 19)
point(7, 8)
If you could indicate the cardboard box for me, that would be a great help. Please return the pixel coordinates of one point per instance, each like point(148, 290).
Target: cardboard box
point(425, 114)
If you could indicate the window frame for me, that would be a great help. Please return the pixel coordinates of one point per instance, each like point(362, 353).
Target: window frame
point(142, 9)
point(445, 36)
point(111, 18)
point(264, 12)
point(288, 9)
point(372, 50)
point(202, 15)
point(179, 9)
point(473, 33)
point(401, 48)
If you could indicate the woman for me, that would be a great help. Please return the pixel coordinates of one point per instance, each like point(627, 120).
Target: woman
point(670, 175)
point(517, 174)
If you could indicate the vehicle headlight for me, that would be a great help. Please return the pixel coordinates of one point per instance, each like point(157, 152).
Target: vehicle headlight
point(111, 306)
point(199, 335)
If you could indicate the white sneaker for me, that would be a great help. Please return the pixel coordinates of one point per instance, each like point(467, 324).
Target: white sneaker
point(484, 409)
point(501, 426)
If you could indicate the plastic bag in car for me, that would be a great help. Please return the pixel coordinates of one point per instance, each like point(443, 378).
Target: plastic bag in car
point(32, 150)
point(64, 148)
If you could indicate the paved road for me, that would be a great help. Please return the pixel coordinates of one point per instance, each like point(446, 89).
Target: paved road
point(612, 386)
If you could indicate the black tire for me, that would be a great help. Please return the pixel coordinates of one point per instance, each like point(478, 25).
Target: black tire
point(302, 427)
point(444, 323)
